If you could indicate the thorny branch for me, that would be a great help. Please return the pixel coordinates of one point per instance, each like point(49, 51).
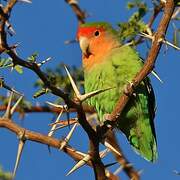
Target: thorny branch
point(94, 138)
point(98, 166)
point(43, 139)
point(150, 61)
point(81, 15)
point(42, 109)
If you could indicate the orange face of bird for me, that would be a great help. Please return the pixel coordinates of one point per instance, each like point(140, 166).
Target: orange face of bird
point(95, 43)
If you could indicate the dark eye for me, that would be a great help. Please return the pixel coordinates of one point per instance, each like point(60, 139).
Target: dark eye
point(96, 33)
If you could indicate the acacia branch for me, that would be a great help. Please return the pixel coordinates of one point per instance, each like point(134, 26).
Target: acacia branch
point(42, 109)
point(98, 166)
point(150, 61)
point(44, 139)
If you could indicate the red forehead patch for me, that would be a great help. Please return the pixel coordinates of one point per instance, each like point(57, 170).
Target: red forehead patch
point(87, 31)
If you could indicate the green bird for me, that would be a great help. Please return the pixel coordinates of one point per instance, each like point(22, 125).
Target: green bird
point(108, 63)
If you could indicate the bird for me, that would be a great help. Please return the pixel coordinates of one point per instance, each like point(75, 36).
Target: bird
point(109, 63)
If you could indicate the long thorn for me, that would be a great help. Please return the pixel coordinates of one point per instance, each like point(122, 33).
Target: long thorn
point(57, 105)
point(15, 105)
point(104, 152)
point(67, 138)
point(51, 132)
point(79, 164)
point(7, 114)
point(108, 145)
point(45, 61)
point(156, 75)
point(118, 170)
point(25, 1)
point(72, 83)
point(163, 40)
point(11, 89)
point(94, 93)
point(86, 158)
point(19, 153)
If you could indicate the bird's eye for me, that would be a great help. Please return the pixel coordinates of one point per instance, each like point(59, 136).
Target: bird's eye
point(96, 33)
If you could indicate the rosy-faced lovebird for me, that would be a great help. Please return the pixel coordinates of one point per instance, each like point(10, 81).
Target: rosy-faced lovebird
point(107, 63)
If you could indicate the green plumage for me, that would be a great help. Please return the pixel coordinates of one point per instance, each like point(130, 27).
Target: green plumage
point(116, 70)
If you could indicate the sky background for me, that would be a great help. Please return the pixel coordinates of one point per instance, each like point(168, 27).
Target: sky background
point(42, 27)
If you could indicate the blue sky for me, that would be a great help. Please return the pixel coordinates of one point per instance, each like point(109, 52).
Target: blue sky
point(43, 27)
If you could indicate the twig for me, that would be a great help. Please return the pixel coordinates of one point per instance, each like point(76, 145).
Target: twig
point(81, 15)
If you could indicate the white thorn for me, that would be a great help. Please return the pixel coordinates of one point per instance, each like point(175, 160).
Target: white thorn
point(51, 132)
point(79, 164)
point(25, 1)
point(67, 138)
point(170, 44)
point(15, 105)
point(73, 83)
point(57, 105)
point(8, 110)
point(45, 61)
point(156, 75)
point(112, 148)
point(86, 158)
point(118, 170)
point(103, 153)
point(94, 93)
point(163, 40)
point(20, 149)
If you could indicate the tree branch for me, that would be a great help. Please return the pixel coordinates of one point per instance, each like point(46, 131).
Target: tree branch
point(81, 15)
point(150, 61)
point(44, 139)
point(98, 166)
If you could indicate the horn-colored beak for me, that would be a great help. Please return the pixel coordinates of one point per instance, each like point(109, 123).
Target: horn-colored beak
point(84, 45)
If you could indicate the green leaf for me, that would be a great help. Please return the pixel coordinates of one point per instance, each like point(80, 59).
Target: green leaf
point(33, 57)
point(19, 69)
point(5, 62)
point(5, 175)
point(41, 92)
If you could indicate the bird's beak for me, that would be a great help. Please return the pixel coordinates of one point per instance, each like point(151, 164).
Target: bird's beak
point(84, 45)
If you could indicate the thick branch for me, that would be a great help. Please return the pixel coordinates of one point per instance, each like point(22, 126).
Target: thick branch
point(44, 139)
point(94, 148)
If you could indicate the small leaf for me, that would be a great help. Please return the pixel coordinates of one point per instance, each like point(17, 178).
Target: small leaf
point(19, 69)
point(41, 92)
point(33, 57)
point(5, 62)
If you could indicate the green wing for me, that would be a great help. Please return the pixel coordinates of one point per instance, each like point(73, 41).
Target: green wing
point(137, 122)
